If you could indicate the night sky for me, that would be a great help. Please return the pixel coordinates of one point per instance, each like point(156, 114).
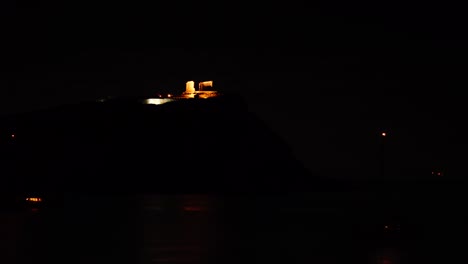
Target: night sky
point(328, 77)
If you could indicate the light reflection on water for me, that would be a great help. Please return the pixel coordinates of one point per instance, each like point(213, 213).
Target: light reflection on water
point(183, 229)
point(179, 229)
point(387, 256)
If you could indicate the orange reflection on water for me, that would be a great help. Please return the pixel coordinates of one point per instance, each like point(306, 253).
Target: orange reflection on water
point(195, 203)
point(387, 256)
point(191, 236)
point(385, 260)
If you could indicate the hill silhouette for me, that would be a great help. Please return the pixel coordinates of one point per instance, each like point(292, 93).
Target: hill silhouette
point(206, 145)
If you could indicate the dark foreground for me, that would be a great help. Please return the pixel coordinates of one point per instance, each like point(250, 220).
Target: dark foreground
point(262, 207)
point(301, 228)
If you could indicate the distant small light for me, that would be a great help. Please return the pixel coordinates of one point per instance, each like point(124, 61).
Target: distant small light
point(169, 95)
point(386, 227)
point(384, 134)
point(438, 174)
point(432, 173)
point(13, 136)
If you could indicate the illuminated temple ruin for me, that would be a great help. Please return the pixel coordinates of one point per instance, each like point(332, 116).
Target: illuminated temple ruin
point(205, 90)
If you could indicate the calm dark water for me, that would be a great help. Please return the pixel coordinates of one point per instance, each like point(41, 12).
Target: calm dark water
point(214, 229)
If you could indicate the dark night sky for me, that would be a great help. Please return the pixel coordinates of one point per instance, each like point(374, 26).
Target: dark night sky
point(327, 77)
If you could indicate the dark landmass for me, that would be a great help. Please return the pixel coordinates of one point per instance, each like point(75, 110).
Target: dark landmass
point(121, 145)
point(201, 181)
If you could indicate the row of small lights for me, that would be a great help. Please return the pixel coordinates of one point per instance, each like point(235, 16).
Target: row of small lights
point(34, 199)
point(168, 95)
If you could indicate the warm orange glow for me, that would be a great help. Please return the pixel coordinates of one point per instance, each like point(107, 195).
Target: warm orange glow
point(205, 91)
point(384, 134)
point(190, 87)
point(34, 199)
point(205, 84)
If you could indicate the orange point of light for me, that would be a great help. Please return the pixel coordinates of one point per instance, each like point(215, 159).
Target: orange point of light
point(384, 134)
